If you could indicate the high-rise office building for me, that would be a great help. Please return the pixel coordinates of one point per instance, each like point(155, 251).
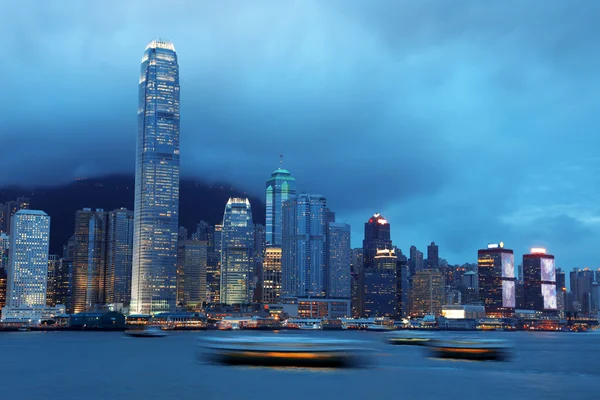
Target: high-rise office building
point(377, 237)
point(192, 259)
point(304, 255)
point(281, 187)
point(237, 252)
point(27, 275)
point(63, 277)
point(119, 256)
point(581, 281)
point(415, 262)
point(428, 292)
point(339, 260)
point(403, 284)
point(496, 280)
point(381, 286)
point(433, 259)
point(213, 272)
point(4, 246)
point(53, 263)
point(156, 206)
point(539, 276)
point(271, 283)
point(89, 260)
point(356, 293)
point(561, 292)
point(259, 251)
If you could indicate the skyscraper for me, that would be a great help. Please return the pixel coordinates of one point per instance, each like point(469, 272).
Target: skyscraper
point(356, 292)
point(119, 249)
point(415, 262)
point(237, 252)
point(496, 280)
point(581, 289)
point(192, 258)
point(89, 260)
point(377, 237)
point(304, 255)
point(28, 258)
point(213, 273)
point(156, 207)
point(271, 283)
point(53, 263)
point(539, 273)
point(433, 259)
point(381, 286)
point(281, 186)
point(10, 208)
point(259, 251)
point(339, 260)
point(428, 292)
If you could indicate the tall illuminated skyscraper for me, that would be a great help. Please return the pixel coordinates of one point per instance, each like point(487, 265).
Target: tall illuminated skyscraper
point(304, 251)
point(339, 260)
point(237, 252)
point(281, 186)
point(156, 207)
point(28, 259)
point(496, 280)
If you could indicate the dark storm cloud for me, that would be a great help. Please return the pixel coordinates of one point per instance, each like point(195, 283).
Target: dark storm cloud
point(462, 122)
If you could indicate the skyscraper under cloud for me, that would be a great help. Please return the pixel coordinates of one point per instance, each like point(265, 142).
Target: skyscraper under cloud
point(281, 186)
point(156, 207)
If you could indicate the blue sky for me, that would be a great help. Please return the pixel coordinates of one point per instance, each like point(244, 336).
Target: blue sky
point(462, 122)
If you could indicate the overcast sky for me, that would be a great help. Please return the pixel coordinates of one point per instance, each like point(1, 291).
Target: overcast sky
point(462, 122)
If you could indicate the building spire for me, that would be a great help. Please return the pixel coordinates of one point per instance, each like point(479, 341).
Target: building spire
point(281, 160)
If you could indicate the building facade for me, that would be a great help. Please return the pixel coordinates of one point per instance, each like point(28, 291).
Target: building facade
point(271, 283)
point(304, 255)
point(539, 276)
point(496, 280)
point(433, 258)
point(339, 260)
point(119, 256)
point(156, 206)
point(27, 275)
point(281, 187)
point(381, 286)
point(428, 292)
point(192, 260)
point(237, 252)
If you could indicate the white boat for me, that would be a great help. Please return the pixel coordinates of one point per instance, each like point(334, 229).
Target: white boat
point(282, 350)
point(310, 327)
point(409, 337)
point(470, 349)
point(148, 332)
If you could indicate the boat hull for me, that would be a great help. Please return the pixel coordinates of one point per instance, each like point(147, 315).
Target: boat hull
point(469, 350)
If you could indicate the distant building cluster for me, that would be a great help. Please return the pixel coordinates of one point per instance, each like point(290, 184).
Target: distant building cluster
point(142, 262)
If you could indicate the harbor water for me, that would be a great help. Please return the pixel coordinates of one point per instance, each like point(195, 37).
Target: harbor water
point(110, 365)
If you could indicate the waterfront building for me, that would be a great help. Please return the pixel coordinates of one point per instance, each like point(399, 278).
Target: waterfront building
point(377, 237)
point(496, 280)
point(27, 275)
point(561, 292)
point(381, 285)
point(356, 293)
point(237, 252)
point(463, 311)
point(339, 259)
point(428, 292)
point(271, 283)
point(304, 255)
point(63, 278)
point(433, 259)
point(281, 186)
point(53, 263)
point(213, 272)
point(403, 287)
point(119, 257)
point(581, 289)
point(539, 276)
point(156, 206)
point(89, 259)
point(33, 315)
point(310, 307)
point(192, 259)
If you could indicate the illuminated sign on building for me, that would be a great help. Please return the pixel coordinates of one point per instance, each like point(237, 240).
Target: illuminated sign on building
point(538, 250)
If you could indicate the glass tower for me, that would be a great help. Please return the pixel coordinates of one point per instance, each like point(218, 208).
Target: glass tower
point(339, 260)
point(28, 259)
point(281, 186)
point(237, 252)
point(156, 207)
point(304, 255)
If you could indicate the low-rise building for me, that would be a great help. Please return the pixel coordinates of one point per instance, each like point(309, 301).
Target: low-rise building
point(33, 315)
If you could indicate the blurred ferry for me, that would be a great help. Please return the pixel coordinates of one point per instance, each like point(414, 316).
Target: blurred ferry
point(371, 324)
point(147, 332)
point(281, 350)
point(409, 337)
point(470, 349)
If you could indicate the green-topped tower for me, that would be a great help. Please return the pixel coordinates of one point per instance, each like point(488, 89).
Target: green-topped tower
point(281, 186)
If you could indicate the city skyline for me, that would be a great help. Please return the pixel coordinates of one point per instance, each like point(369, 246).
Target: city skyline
point(451, 114)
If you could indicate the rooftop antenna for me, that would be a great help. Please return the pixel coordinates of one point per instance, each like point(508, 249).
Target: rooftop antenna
point(281, 160)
